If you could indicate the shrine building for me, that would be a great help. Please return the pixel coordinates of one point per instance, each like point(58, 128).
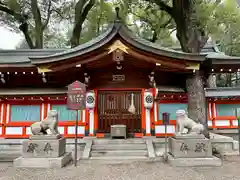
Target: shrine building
point(129, 81)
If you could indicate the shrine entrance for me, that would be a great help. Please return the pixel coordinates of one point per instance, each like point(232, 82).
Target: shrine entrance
point(113, 108)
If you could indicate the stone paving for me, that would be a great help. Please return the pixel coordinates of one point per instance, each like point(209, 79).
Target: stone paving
point(131, 171)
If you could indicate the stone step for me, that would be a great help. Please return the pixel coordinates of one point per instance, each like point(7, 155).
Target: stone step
point(194, 162)
point(9, 156)
point(119, 147)
point(117, 160)
point(6, 148)
point(113, 158)
point(119, 141)
point(113, 153)
point(10, 149)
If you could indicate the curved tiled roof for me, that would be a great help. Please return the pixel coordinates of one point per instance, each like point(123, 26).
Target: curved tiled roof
point(20, 56)
point(125, 33)
point(32, 57)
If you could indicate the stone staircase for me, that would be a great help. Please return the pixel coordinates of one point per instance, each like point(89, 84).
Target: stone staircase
point(9, 152)
point(119, 149)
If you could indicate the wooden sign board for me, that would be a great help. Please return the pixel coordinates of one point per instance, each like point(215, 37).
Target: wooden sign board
point(118, 77)
point(166, 118)
point(76, 96)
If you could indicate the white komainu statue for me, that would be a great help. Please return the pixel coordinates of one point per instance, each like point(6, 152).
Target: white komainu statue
point(183, 122)
point(50, 122)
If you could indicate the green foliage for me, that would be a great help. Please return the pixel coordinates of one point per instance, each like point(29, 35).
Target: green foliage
point(150, 23)
point(13, 4)
point(219, 19)
point(227, 20)
point(59, 30)
point(98, 20)
point(14, 13)
point(205, 12)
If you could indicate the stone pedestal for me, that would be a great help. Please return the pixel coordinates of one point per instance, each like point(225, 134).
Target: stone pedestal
point(43, 148)
point(191, 150)
point(43, 152)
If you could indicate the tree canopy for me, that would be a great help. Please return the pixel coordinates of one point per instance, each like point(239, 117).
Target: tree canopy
point(60, 24)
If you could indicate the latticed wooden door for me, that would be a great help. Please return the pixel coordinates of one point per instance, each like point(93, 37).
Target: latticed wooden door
point(113, 108)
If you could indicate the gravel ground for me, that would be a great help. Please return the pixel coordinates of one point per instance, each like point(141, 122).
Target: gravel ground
point(133, 171)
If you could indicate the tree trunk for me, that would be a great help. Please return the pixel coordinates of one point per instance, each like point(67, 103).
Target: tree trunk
point(212, 81)
point(154, 36)
point(76, 34)
point(197, 109)
point(189, 32)
point(82, 9)
point(38, 24)
point(22, 19)
point(39, 38)
point(24, 28)
point(192, 38)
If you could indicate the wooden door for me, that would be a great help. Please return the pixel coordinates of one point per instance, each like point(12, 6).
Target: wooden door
point(113, 109)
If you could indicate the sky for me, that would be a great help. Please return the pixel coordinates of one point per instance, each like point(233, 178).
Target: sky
point(8, 39)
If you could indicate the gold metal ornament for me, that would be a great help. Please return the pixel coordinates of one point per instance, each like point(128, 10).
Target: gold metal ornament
point(193, 66)
point(117, 45)
point(43, 69)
